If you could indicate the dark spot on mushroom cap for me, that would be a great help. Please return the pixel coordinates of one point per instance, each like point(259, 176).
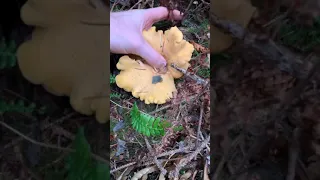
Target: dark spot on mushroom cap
point(156, 79)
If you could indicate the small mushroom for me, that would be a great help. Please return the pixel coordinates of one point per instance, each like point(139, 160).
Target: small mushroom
point(144, 81)
point(67, 54)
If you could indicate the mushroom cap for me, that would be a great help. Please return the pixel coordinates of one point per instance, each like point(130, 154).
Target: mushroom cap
point(67, 56)
point(137, 77)
point(44, 13)
point(240, 12)
point(171, 46)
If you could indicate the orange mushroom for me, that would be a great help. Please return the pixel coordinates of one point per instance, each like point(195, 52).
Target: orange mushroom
point(240, 11)
point(68, 52)
point(145, 82)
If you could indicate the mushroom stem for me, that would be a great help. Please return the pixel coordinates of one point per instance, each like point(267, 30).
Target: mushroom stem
point(198, 79)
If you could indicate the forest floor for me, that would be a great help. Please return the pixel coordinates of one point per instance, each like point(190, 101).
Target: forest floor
point(263, 97)
point(132, 153)
point(265, 122)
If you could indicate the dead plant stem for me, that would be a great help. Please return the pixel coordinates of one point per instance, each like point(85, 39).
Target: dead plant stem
point(136, 4)
point(160, 109)
point(199, 124)
point(183, 162)
point(44, 127)
point(156, 161)
point(122, 167)
point(180, 150)
point(114, 4)
point(188, 74)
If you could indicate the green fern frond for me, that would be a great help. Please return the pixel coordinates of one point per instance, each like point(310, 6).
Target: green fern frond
point(19, 106)
point(112, 78)
point(116, 95)
point(205, 72)
point(81, 166)
point(7, 54)
point(146, 124)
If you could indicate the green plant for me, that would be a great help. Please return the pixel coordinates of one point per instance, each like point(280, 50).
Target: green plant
point(205, 72)
point(112, 78)
point(116, 95)
point(195, 29)
point(7, 54)
point(19, 106)
point(146, 124)
point(80, 165)
point(178, 128)
point(300, 37)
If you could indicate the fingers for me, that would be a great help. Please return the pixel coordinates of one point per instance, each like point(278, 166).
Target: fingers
point(151, 56)
point(154, 15)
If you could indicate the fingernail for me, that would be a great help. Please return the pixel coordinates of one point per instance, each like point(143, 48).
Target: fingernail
point(162, 64)
point(162, 67)
point(163, 70)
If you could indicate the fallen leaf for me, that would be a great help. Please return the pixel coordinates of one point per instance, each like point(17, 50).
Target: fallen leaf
point(200, 48)
point(121, 147)
point(118, 126)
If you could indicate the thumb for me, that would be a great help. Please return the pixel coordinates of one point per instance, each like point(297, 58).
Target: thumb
point(161, 13)
point(152, 57)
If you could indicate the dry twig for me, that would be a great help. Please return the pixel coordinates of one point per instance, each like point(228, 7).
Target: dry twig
point(156, 161)
point(172, 152)
point(123, 167)
point(44, 127)
point(199, 124)
point(136, 4)
point(186, 73)
point(96, 157)
point(114, 5)
point(183, 162)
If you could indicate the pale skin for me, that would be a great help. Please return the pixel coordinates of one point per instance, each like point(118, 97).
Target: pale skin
point(126, 33)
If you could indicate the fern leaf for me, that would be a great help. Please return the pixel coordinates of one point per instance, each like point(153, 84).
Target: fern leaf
point(7, 54)
point(18, 106)
point(115, 95)
point(146, 124)
point(80, 165)
point(112, 79)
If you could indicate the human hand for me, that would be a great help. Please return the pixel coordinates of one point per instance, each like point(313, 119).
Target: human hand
point(126, 33)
